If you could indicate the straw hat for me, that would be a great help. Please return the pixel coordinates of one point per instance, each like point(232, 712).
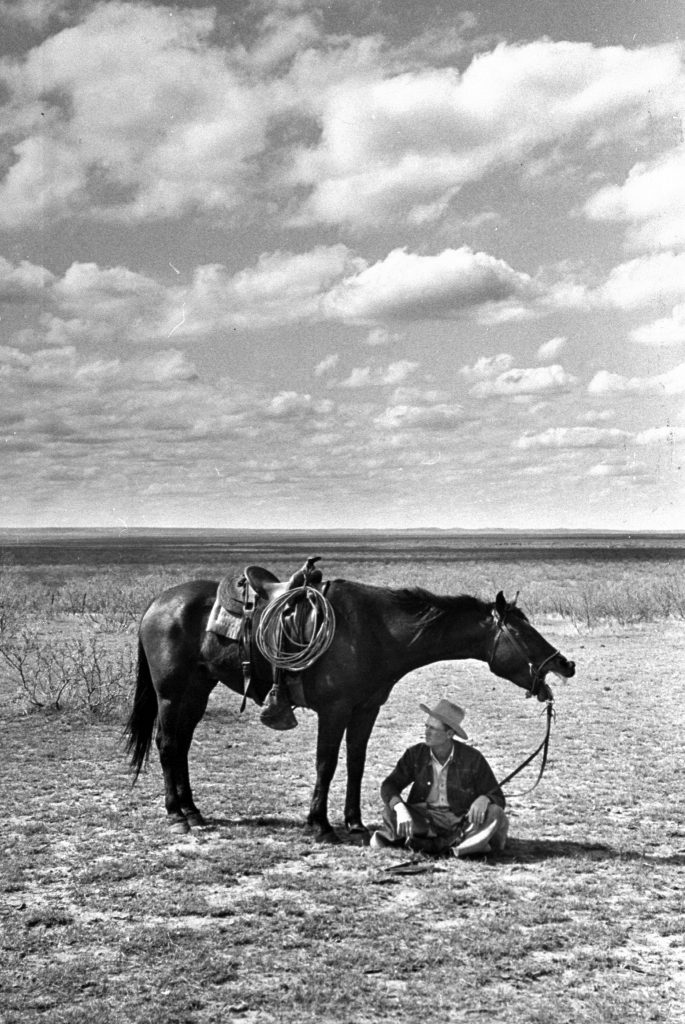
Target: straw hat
point(449, 714)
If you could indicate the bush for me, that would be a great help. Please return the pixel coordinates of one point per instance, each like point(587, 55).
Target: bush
point(76, 674)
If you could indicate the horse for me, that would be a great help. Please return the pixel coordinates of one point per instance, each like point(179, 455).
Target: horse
point(381, 635)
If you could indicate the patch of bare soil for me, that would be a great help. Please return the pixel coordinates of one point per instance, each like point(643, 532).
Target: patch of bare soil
point(108, 917)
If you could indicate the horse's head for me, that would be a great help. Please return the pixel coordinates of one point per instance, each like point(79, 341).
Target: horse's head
point(520, 654)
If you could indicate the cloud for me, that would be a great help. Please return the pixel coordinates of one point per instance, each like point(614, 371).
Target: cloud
point(326, 365)
point(670, 383)
point(487, 367)
point(381, 336)
point(664, 332)
point(283, 287)
point(143, 118)
point(137, 112)
point(542, 379)
point(645, 281)
point(550, 349)
point(23, 281)
point(36, 13)
point(410, 286)
point(574, 437)
point(627, 468)
point(413, 417)
point(651, 201)
point(660, 435)
point(367, 376)
point(291, 405)
point(403, 145)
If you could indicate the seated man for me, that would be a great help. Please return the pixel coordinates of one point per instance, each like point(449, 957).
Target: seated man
point(454, 804)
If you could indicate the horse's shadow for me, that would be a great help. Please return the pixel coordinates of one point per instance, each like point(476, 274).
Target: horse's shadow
point(524, 851)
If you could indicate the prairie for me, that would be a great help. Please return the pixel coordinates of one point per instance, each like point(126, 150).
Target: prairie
point(106, 916)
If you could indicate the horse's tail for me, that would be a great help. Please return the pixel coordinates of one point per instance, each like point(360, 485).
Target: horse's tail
point(141, 723)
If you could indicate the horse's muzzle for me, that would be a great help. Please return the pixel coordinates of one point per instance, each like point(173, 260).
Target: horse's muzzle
point(562, 667)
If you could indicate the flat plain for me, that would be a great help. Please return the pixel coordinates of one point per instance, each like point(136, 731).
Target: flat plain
point(107, 916)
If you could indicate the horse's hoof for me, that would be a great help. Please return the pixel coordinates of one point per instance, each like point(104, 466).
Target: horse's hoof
point(357, 828)
point(195, 820)
point(179, 827)
point(326, 837)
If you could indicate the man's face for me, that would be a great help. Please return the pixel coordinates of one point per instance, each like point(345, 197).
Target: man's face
point(438, 736)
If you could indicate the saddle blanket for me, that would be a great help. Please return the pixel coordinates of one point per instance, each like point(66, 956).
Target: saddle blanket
point(223, 622)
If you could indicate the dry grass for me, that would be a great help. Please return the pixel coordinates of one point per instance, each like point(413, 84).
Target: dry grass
point(107, 917)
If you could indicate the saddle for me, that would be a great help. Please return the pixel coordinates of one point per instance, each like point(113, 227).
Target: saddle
point(240, 598)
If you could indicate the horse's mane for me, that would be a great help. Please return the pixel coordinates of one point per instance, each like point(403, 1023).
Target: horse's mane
point(432, 609)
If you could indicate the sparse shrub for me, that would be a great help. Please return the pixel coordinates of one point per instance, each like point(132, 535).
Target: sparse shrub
point(76, 674)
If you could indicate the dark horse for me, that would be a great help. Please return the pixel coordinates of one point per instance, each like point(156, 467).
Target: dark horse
point(381, 635)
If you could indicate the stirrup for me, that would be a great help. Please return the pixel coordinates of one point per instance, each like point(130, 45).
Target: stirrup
point(277, 712)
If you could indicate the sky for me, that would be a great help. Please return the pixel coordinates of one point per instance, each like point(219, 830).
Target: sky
point(354, 264)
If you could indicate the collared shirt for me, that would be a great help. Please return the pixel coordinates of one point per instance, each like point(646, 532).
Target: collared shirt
point(468, 775)
point(438, 791)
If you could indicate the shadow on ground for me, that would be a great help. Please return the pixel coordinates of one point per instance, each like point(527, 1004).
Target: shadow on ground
point(518, 850)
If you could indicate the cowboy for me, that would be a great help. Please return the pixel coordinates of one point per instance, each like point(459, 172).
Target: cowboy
point(455, 805)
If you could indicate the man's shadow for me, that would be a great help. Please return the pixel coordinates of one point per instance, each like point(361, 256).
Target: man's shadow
point(530, 851)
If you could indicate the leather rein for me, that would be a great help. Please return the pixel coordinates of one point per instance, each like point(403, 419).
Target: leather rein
point(536, 680)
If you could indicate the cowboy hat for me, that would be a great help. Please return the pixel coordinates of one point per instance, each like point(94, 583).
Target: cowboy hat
point(449, 714)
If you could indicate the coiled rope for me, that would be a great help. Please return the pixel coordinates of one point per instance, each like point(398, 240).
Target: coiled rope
point(276, 633)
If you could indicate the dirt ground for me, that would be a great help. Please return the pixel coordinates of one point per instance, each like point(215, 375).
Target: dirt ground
point(106, 916)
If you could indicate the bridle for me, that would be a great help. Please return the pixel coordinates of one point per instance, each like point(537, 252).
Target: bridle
point(537, 672)
point(536, 680)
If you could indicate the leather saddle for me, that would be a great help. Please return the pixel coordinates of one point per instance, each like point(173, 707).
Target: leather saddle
point(234, 591)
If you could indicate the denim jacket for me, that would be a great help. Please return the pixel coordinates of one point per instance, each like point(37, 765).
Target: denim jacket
point(468, 776)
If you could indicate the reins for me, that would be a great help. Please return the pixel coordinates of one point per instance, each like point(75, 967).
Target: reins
point(544, 747)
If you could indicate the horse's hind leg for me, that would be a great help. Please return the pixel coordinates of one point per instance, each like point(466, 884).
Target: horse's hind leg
point(178, 716)
point(191, 711)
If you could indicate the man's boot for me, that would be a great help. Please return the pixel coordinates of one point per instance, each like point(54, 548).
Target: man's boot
point(277, 712)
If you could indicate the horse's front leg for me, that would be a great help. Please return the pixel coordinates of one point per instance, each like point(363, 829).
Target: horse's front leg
point(332, 722)
point(358, 732)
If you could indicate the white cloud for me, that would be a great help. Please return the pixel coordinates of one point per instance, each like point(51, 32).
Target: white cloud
point(283, 287)
point(660, 435)
point(326, 365)
point(381, 336)
point(404, 145)
point(144, 118)
point(367, 376)
point(410, 286)
point(664, 332)
point(623, 468)
point(36, 13)
point(670, 383)
point(597, 415)
point(645, 281)
point(23, 281)
point(487, 367)
point(289, 405)
point(550, 349)
point(651, 201)
point(426, 417)
point(574, 437)
point(545, 379)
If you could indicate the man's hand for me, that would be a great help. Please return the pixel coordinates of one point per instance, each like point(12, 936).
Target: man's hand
point(405, 826)
point(478, 810)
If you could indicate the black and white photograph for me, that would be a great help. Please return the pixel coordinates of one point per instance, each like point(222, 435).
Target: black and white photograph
point(342, 534)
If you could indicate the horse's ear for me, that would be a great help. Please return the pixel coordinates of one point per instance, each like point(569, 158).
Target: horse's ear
point(501, 605)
